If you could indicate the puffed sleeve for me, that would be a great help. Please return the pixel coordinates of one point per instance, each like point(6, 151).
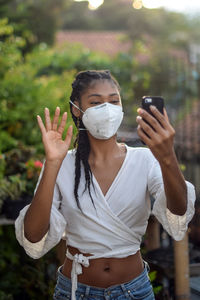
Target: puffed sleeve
point(175, 225)
point(55, 232)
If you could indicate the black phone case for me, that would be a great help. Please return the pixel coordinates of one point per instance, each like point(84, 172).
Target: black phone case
point(157, 101)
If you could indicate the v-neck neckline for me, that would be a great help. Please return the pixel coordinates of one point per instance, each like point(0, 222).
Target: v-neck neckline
point(114, 180)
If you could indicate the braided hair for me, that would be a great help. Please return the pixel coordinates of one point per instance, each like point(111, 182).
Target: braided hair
point(82, 82)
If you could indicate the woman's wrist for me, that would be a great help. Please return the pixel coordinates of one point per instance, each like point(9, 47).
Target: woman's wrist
point(53, 165)
point(168, 159)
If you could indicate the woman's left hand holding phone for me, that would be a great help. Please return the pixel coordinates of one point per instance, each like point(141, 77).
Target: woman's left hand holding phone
point(160, 140)
point(158, 135)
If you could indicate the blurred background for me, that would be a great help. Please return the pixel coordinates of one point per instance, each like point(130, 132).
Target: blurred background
point(152, 47)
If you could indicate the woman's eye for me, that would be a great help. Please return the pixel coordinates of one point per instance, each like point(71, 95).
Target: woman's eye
point(114, 101)
point(95, 102)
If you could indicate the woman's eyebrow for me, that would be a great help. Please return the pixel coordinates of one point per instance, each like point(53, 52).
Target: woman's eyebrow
point(99, 95)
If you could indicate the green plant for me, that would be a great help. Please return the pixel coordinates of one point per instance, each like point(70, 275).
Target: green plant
point(20, 171)
point(22, 277)
point(2, 165)
point(156, 288)
point(33, 169)
point(12, 187)
point(5, 296)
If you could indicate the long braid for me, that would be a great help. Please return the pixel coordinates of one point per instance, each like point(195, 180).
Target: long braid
point(82, 144)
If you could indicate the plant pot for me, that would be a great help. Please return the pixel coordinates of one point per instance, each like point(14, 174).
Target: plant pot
point(11, 208)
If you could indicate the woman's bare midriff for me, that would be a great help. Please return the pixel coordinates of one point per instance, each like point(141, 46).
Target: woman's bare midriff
point(104, 272)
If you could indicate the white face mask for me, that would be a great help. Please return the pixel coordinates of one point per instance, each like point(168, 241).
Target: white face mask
point(102, 121)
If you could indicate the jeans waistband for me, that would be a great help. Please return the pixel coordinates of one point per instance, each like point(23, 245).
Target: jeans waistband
point(65, 283)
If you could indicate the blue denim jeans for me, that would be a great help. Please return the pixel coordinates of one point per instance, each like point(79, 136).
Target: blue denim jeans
point(138, 288)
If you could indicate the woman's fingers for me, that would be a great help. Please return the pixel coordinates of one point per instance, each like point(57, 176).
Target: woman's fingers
point(158, 134)
point(53, 125)
point(163, 119)
point(166, 116)
point(47, 119)
point(160, 117)
point(56, 118)
point(41, 125)
point(62, 123)
point(146, 127)
point(69, 136)
point(143, 136)
point(154, 123)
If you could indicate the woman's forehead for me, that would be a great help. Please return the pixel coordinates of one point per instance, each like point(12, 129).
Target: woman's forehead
point(102, 87)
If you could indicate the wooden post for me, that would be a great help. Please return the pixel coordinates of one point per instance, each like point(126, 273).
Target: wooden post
point(181, 262)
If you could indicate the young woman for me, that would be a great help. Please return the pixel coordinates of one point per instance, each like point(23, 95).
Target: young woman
point(97, 195)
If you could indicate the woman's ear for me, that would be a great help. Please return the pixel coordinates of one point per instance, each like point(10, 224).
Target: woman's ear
point(76, 112)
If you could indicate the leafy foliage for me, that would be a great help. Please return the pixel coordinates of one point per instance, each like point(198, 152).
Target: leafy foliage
point(156, 288)
point(34, 21)
point(19, 171)
point(43, 78)
point(20, 276)
point(23, 93)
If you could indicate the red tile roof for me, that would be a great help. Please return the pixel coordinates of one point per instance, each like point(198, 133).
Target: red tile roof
point(108, 42)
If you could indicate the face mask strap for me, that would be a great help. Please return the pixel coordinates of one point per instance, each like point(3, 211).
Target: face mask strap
point(81, 111)
point(76, 106)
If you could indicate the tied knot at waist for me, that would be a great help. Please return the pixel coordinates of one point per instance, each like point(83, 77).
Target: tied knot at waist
point(78, 261)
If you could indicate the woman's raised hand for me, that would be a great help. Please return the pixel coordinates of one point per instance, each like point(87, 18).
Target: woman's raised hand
point(55, 147)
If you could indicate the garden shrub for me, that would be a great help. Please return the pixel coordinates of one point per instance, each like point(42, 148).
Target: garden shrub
point(22, 277)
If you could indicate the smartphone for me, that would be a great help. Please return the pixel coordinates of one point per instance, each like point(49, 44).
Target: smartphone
point(157, 101)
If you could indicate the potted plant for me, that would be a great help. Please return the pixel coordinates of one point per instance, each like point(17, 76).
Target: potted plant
point(11, 192)
point(19, 180)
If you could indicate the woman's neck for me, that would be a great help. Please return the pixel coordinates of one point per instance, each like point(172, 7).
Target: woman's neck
point(102, 150)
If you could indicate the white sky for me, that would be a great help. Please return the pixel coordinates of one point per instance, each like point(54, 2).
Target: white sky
point(177, 5)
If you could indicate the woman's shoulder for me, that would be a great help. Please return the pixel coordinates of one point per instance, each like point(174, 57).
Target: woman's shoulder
point(141, 152)
point(138, 150)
